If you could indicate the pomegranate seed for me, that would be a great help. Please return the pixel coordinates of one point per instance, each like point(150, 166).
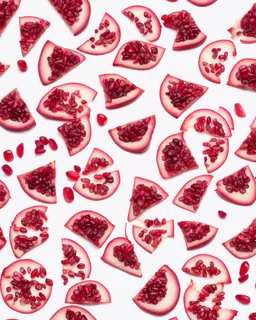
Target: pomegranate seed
point(8, 155)
point(53, 145)
point(39, 150)
point(252, 316)
point(72, 175)
point(244, 268)
point(68, 194)
point(242, 298)
point(20, 150)
point(22, 65)
point(243, 278)
point(101, 119)
point(239, 110)
point(44, 140)
point(222, 214)
point(7, 169)
point(77, 168)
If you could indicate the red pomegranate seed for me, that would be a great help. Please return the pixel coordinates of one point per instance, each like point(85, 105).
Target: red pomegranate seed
point(101, 119)
point(20, 150)
point(53, 145)
point(68, 194)
point(242, 298)
point(244, 268)
point(222, 214)
point(7, 170)
point(239, 110)
point(44, 140)
point(22, 65)
point(252, 316)
point(243, 278)
point(77, 168)
point(8, 155)
point(39, 150)
point(72, 175)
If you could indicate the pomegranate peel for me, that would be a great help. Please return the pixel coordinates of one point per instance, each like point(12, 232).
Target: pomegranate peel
point(2, 239)
point(227, 116)
point(10, 6)
point(215, 153)
point(202, 3)
point(3, 68)
point(69, 311)
point(4, 194)
point(247, 148)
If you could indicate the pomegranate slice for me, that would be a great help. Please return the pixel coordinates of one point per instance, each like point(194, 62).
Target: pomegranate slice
point(239, 187)
point(98, 160)
point(247, 150)
point(67, 102)
point(209, 267)
point(174, 157)
point(206, 301)
point(138, 55)
point(3, 68)
point(120, 254)
point(8, 9)
point(40, 183)
point(4, 194)
point(145, 194)
point(28, 230)
point(197, 234)
point(76, 14)
point(105, 39)
point(188, 34)
point(31, 30)
point(227, 116)
point(145, 20)
point(24, 286)
point(215, 153)
point(202, 3)
point(2, 239)
point(192, 193)
point(92, 226)
point(161, 293)
point(88, 292)
point(118, 90)
point(212, 59)
point(72, 313)
point(49, 67)
point(178, 95)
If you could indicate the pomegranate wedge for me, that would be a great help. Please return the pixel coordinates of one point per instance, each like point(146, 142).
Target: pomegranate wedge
point(98, 160)
point(4, 194)
point(227, 116)
point(8, 9)
point(202, 3)
point(72, 312)
point(247, 150)
point(2, 239)
point(3, 68)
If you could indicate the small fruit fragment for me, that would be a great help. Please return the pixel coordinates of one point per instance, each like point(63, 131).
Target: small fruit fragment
point(101, 119)
point(4, 194)
point(239, 110)
point(202, 3)
point(227, 116)
point(215, 153)
point(244, 268)
point(247, 150)
point(72, 313)
point(72, 175)
point(242, 298)
point(243, 278)
point(22, 65)
point(2, 239)
point(40, 146)
point(3, 68)
point(222, 214)
point(8, 155)
point(53, 144)
point(8, 9)
point(7, 169)
point(68, 194)
point(77, 168)
point(20, 150)
point(252, 316)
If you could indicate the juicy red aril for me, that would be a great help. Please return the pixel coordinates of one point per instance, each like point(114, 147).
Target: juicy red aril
point(249, 144)
point(237, 182)
point(244, 268)
point(242, 298)
point(34, 219)
point(105, 38)
point(72, 315)
point(7, 10)
point(139, 53)
point(153, 237)
point(116, 88)
point(77, 168)
point(200, 269)
point(86, 293)
point(125, 253)
point(193, 195)
point(8, 155)
point(20, 150)
point(69, 10)
point(134, 131)
point(99, 188)
point(68, 194)
point(71, 259)
point(53, 145)
point(22, 65)
point(44, 140)
point(247, 75)
point(143, 27)
point(247, 23)
point(252, 316)
point(149, 223)
point(194, 231)
point(39, 150)
point(72, 175)
point(207, 124)
point(217, 68)
point(222, 214)
point(73, 133)
point(3, 193)
point(95, 164)
point(39, 147)
point(239, 110)
point(101, 119)
point(7, 169)
point(213, 149)
point(24, 243)
point(243, 278)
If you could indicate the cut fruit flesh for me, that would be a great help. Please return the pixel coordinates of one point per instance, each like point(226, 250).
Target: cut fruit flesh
point(202, 3)
point(11, 6)
point(227, 116)
point(3, 68)
point(247, 149)
point(215, 153)
point(72, 311)
point(97, 154)
point(4, 194)
point(2, 239)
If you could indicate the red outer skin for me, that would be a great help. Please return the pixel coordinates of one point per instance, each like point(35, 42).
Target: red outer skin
point(149, 183)
point(94, 214)
point(44, 70)
point(86, 46)
point(7, 22)
point(114, 262)
point(243, 153)
point(6, 67)
point(31, 193)
point(120, 102)
point(202, 3)
point(7, 197)
point(61, 313)
point(223, 277)
point(171, 299)
point(100, 154)
point(182, 205)
point(166, 103)
point(118, 62)
point(238, 198)
point(2, 241)
point(227, 116)
point(213, 166)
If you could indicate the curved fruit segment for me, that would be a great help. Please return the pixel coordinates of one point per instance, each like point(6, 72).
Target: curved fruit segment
point(98, 160)
point(50, 68)
point(197, 234)
point(24, 286)
point(76, 14)
point(3, 68)
point(178, 95)
point(239, 187)
point(145, 194)
point(88, 292)
point(212, 59)
point(253, 124)
point(4, 194)
point(92, 226)
point(120, 254)
point(105, 39)
point(207, 266)
point(188, 34)
point(28, 230)
point(145, 20)
point(202, 3)
point(138, 55)
point(192, 193)
point(2, 239)
point(247, 150)
point(67, 102)
point(134, 136)
point(40, 183)
point(227, 116)
point(8, 9)
point(118, 90)
point(31, 30)
point(174, 157)
point(72, 312)
point(160, 294)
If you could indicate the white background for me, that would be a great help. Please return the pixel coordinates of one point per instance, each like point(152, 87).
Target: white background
point(213, 21)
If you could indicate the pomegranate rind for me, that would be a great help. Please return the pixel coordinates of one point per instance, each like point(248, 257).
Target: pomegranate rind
point(98, 153)
point(222, 157)
point(245, 199)
point(227, 116)
point(202, 3)
point(99, 50)
point(105, 295)
point(138, 11)
point(242, 153)
point(94, 214)
point(17, 2)
point(118, 62)
point(44, 70)
point(253, 124)
point(148, 183)
point(166, 102)
point(2, 239)
point(223, 277)
point(113, 261)
point(6, 67)
point(61, 313)
point(182, 205)
point(125, 100)
point(87, 93)
point(7, 197)
point(169, 302)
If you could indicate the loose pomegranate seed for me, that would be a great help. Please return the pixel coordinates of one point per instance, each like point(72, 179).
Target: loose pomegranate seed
point(222, 214)
point(8, 155)
point(101, 119)
point(243, 278)
point(239, 110)
point(68, 194)
point(72, 175)
point(242, 298)
point(252, 316)
point(244, 268)
point(22, 65)
point(20, 150)
point(39, 151)
point(7, 169)
point(53, 145)
point(44, 140)
point(77, 168)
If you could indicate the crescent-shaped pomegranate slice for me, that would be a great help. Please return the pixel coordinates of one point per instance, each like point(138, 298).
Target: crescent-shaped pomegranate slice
point(105, 39)
point(88, 292)
point(2, 239)
point(178, 95)
point(120, 254)
point(145, 195)
point(76, 14)
point(4, 194)
point(40, 183)
point(227, 116)
point(197, 234)
point(145, 20)
point(28, 230)
point(8, 9)
point(3, 68)
point(138, 55)
point(49, 67)
point(192, 193)
point(25, 280)
point(188, 33)
point(202, 3)
point(98, 160)
point(72, 312)
point(212, 59)
point(247, 150)
point(239, 187)
point(118, 90)
point(92, 226)
point(161, 293)
point(208, 267)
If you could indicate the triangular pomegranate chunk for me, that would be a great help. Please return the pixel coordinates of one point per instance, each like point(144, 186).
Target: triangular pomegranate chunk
point(2, 239)
point(247, 150)
point(227, 116)
point(4, 194)
point(3, 68)
point(8, 9)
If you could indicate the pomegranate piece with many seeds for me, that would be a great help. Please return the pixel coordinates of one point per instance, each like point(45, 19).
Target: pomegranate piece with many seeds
point(98, 160)
point(247, 150)
point(3, 68)
point(8, 9)
point(72, 313)
point(2, 239)
point(202, 3)
point(4, 194)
